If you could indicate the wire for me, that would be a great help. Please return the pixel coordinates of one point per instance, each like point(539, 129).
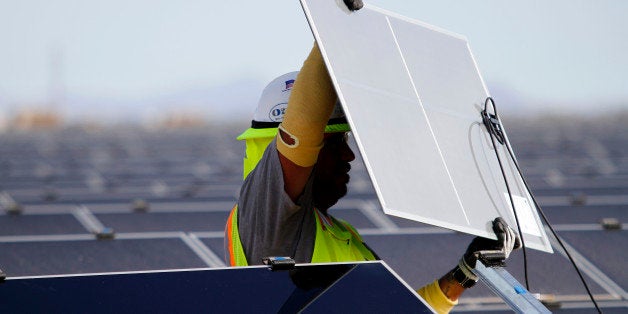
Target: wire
point(586, 286)
point(540, 210)
point(492, 124)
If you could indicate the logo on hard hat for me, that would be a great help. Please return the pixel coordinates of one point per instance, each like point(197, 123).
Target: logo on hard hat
point(289, 84)
point(276, 113)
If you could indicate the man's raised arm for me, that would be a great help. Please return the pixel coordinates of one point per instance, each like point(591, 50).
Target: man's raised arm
point(300, 135)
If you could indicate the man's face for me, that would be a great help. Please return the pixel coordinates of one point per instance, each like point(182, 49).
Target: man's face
point(331, 173)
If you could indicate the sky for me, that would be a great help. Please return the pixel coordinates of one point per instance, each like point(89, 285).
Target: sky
point(143, 57)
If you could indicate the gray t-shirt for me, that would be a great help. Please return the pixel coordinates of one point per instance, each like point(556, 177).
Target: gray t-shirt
point(269, 222)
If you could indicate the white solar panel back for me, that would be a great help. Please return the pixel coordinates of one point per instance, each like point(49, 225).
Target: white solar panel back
point(413, 95)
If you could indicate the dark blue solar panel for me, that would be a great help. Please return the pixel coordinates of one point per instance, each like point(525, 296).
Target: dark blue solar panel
point(585, 214)
point(217, 245)
point(605, 249)
point(148, 222)
point(371, 289)
point(39, 225)
point(357, 219)
point(407, 223)
point(361, 288)
point(92, 256)
point(550, 274)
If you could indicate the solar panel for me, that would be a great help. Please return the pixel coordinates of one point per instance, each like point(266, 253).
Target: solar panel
point(80, 254)
point(413, 95)
point(304, 289)
point(590, 244)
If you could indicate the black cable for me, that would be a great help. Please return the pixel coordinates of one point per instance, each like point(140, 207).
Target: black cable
point(525, 183)
point(492, 124)
point(540, 210)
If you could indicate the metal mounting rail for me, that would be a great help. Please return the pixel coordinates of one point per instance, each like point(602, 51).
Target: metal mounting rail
point(503, 284)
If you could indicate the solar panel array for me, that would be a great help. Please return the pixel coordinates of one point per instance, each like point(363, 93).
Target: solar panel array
point(77, 201)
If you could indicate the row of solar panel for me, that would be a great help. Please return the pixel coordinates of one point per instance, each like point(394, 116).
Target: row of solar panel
point(179, 230)
point(201, 218)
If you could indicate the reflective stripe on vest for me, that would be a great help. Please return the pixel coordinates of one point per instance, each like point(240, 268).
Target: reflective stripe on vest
point(335, 241)
point(234, 245)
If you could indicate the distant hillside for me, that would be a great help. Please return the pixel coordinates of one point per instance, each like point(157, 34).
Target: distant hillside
point(231, 101)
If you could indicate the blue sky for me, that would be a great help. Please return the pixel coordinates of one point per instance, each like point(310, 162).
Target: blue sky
point(565, 53)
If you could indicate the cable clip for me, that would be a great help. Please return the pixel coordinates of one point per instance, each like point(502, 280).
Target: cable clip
point(491, 121)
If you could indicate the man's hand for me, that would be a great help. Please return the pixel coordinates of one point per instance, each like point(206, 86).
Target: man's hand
point(507, 241)
point(494, 252)
point(354, 5)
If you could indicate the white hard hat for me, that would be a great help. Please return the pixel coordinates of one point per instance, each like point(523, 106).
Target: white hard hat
point(272, 107)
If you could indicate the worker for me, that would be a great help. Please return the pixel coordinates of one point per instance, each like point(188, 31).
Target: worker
point(296, 167)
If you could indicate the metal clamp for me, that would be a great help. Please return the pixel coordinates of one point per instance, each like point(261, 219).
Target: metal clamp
point(279, 262)
point(492, 258)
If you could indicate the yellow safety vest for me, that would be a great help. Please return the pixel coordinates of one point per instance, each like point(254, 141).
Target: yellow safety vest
point(336, 241)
